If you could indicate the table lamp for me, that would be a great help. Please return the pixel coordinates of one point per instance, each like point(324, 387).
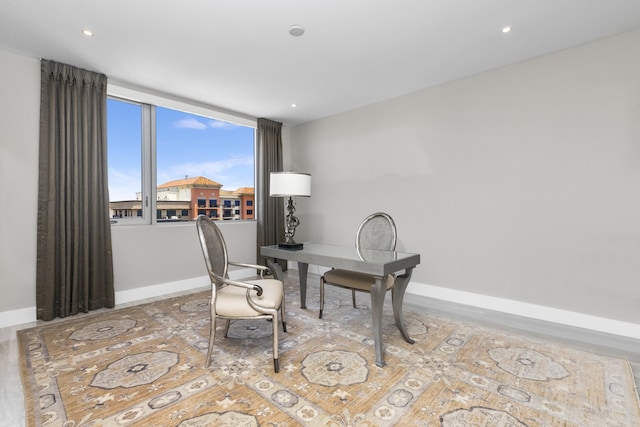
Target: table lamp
point(290, 184)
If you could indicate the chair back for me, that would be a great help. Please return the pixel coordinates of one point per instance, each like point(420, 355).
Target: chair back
point(377, 232)
point(213, 247)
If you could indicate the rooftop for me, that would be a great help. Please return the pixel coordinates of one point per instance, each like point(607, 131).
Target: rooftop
point(199, 181)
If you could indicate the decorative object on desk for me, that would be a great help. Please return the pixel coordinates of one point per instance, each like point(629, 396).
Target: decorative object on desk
point(377, 232)
point(233, 299)
point(290, 184)
point(144, 366)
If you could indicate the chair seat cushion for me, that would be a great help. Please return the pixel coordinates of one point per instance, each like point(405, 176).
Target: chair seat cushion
point(353, 280)
point(232, 300)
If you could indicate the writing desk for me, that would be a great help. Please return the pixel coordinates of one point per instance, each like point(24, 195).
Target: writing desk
point(377, 263)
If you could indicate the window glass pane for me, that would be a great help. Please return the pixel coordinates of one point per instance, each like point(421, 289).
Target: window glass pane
point(198, 158)
point(199, 163)
point(124, 139)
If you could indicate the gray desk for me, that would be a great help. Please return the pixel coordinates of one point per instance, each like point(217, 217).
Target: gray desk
point(377, 263)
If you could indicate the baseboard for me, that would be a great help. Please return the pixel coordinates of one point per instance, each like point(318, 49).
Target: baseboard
point(518, 308)
point(523, 309)
point(502, 305)
point(26, 315)
point(17, 317)
point(153, 291)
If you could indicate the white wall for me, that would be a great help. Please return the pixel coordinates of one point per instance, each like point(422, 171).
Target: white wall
point(150, 255)
point(148, 260)
point(19, 133)
point(521, 183)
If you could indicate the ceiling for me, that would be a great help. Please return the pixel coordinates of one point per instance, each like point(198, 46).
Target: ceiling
point(238, 55)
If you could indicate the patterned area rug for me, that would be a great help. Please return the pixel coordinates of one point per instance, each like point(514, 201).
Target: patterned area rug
point(144, 365)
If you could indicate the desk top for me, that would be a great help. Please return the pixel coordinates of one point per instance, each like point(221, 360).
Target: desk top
point(377, 263)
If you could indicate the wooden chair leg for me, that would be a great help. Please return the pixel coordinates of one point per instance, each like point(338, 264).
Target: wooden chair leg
point(321, 297)
point(274, 322)
point(284, 322)
point(212, 336)
point(226, 328)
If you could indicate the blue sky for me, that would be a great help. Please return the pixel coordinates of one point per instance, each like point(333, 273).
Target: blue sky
point(187, 144)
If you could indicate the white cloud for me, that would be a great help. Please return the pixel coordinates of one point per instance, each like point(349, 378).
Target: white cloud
point(218, 124)
point(190, 124)
point(226, 172)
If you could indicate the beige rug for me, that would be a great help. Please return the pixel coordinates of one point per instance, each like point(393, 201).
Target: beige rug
point(144, 366)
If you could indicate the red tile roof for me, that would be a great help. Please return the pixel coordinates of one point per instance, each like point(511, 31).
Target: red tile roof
point(244, 191)
point(198, 181)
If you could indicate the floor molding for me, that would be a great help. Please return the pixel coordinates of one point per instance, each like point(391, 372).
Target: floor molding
point(523, 309)
point(582, 330)
point(27, 315)
point(586, 339)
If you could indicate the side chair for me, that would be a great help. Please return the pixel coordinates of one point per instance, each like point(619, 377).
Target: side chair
point(376, 232)
point(235, 300)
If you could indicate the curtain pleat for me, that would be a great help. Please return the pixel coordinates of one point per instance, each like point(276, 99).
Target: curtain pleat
point(269, 210)
point(74, 259)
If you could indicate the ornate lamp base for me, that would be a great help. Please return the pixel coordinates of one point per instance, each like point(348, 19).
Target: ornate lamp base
point(291, 223)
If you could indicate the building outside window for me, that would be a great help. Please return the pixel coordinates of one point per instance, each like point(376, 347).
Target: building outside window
point(188, 153)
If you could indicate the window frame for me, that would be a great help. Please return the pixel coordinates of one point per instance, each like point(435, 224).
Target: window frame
point(148, 101)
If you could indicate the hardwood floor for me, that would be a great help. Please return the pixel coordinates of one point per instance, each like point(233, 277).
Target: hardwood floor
point(11, 395)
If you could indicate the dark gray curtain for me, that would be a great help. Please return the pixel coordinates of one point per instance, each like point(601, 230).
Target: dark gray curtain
point(74, 264)
point(269, 210)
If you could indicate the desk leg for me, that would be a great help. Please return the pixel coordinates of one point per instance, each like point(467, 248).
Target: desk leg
point(377, 302)
point(397, 294)
point(302, 273)
point(275, 268)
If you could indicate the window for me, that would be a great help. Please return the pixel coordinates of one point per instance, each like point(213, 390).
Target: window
point(249, 202)
point(124, 132)
point(174, 158)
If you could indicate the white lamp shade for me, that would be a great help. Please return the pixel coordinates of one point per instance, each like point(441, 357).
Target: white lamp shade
point(285, 184)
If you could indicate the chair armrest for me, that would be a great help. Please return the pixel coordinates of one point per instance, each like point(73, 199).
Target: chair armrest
point(262, 268)
point(247, 286)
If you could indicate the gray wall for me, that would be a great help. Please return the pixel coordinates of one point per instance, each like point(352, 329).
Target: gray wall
point(19, 132)
point(148, 260)
point(521, 183)
point(151, 255)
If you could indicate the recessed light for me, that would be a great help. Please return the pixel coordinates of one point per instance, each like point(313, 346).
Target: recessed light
point(294, 105)
point(296, 30)
point(506, 29)
point(87, 33)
